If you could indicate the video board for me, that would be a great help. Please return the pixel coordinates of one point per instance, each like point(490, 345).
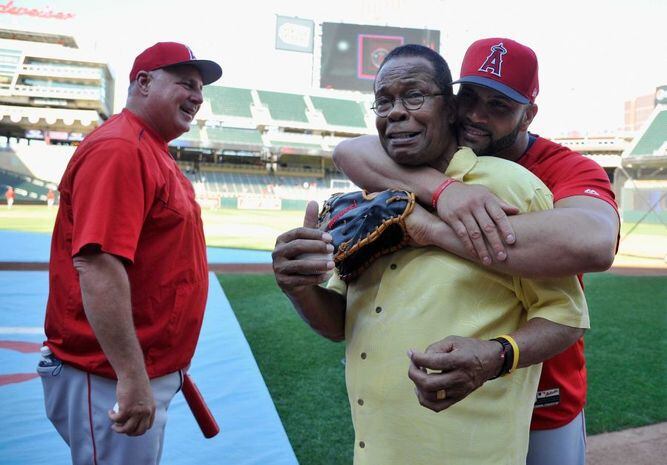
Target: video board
point(352, 53)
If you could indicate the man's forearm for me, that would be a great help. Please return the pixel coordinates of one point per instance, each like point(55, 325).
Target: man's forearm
point(553, 243)
point(540, 339)
point(459, 365)
point(365, 162)
point(577, 236)
point(105, 290)
point(322, 309)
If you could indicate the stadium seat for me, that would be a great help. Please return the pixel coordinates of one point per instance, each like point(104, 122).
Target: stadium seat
point(230, 101)
point(653, 137)
point(283, 106)
point(340, 112)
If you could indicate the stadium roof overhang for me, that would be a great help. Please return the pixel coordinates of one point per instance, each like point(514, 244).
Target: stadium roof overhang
point(44, 37)
point(20, 119)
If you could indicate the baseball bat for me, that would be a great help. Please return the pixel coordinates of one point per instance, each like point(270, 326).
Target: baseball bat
point(209, 427)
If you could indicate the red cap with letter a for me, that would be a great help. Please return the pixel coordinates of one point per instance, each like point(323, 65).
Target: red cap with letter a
point(503, 65)
point(165, 54)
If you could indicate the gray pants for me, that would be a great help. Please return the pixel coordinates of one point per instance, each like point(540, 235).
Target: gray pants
point(77, 403)
point(559, 446)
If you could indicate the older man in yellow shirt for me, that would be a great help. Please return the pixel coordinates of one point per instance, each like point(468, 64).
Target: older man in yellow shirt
point(419, 295)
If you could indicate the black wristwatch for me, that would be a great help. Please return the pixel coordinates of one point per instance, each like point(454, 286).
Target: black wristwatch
point(507, 354)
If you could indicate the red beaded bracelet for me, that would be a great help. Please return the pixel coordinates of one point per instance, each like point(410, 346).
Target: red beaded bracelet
point(439, 190)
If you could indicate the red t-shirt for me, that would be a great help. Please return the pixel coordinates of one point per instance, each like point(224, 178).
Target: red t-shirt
point(561, 393)
point(123, 192)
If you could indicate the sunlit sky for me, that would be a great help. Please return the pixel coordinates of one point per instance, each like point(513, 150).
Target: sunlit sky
point(593, 55)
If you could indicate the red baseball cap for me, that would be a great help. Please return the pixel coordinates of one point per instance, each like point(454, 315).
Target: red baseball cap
point(164, 54)
point(503, 65)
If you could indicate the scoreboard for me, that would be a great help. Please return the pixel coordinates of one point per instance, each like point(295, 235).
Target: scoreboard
point(352, 53)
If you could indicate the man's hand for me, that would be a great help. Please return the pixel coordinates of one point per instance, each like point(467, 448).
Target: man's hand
point(476, 215)
point(421, 226)
point(302, 257)
point(136, 411)
point(457, 365)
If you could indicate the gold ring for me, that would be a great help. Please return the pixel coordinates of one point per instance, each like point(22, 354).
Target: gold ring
point(441, 394)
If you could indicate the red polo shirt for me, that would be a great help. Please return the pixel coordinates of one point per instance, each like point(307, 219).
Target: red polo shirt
point(123, 192)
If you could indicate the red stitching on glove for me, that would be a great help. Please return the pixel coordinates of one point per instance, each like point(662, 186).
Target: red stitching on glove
point(331, 223)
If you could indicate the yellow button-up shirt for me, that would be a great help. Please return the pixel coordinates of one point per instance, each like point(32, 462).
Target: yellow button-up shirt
point(417, 296)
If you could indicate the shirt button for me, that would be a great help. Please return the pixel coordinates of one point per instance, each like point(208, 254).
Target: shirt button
point(363, 355)
point(378, 309)
point(362, 444)
point(360, 402)
point(393, 266)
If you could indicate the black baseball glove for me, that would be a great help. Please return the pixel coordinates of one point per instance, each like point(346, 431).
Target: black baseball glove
point(365, 226)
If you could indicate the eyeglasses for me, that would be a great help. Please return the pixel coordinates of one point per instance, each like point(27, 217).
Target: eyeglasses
point(411, 101)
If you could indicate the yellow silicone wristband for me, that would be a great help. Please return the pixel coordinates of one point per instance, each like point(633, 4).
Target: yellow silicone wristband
point(515, 361)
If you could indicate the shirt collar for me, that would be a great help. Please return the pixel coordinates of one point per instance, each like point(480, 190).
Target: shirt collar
point(149, 131)
point(463, 161)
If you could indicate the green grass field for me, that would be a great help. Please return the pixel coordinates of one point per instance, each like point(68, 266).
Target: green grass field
point(248, 229)
point(649, 229)
point(625, 351)
point(29, 218)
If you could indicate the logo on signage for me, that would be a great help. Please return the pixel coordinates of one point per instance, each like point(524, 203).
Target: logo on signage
point(10, 9)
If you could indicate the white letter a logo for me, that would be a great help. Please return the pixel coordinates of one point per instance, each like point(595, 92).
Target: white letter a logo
point(494, 62)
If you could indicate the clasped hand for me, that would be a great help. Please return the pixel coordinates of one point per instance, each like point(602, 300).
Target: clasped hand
point(457, 365)
point(302, 256)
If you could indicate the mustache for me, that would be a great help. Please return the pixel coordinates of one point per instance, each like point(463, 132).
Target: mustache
point(480, 127)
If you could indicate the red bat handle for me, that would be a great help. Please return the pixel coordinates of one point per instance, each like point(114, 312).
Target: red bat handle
point(199, 409)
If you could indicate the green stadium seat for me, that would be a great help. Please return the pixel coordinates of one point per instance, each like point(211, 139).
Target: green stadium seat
point(340, 112)
point(234, 136)
point(10, 161)
point(654, 136)
point(230, 101)
point(284, 107)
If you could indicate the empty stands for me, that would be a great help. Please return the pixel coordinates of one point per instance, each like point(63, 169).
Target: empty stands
point(10, 162)
point(246, 142)
point(234, 136)
point(340, 112)
point(284, 106)
point(233, 184)
point(26, 188)
point(653, 137)
point(230, 101)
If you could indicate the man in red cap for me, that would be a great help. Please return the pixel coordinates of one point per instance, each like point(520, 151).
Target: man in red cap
point(496, 100)
point(128, 275)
